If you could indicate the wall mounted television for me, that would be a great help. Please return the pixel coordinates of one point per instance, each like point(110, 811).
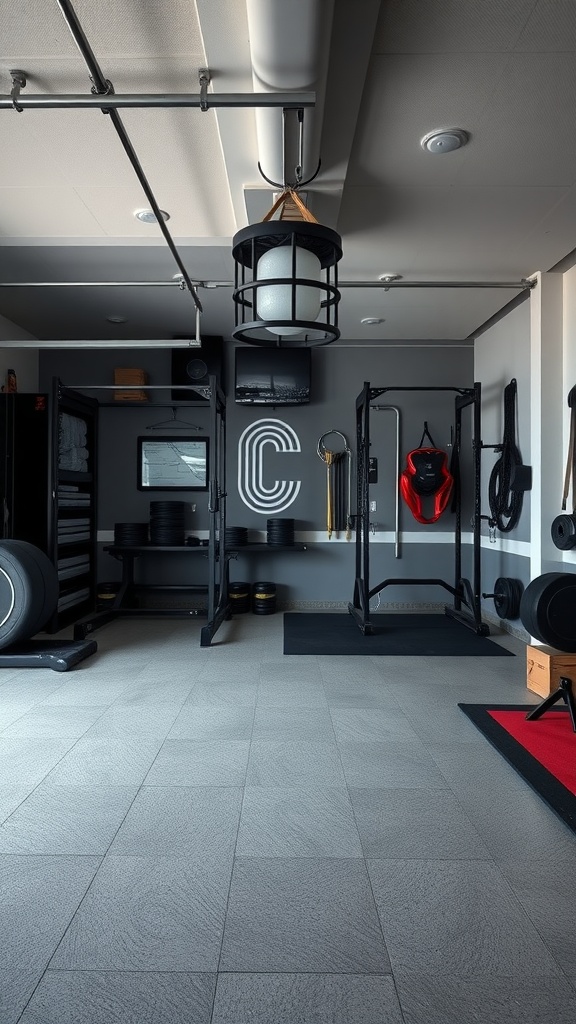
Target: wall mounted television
point(272, 376)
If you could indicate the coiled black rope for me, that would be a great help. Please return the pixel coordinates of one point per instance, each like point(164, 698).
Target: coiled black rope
point(506, 503)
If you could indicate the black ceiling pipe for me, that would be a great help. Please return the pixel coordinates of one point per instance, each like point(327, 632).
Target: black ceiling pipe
point(101, 86)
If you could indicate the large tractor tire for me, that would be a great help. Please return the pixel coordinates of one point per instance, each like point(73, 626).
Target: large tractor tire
point(28, 591)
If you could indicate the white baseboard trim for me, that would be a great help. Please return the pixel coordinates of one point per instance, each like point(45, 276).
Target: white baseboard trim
point(514, 628)
point(508, 546)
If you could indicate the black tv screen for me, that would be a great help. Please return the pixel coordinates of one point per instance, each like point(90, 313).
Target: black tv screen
point(272, 376)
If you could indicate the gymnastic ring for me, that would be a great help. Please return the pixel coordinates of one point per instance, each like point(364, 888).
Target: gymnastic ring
point(320, 449)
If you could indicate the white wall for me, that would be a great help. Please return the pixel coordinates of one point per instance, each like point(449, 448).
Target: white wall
point(568, 558)
point(500, 354)
point(536, 344)
point(503, 353)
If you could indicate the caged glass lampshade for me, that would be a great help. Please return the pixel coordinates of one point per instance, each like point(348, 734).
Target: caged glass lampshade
point(285, 287)
point(274, 301)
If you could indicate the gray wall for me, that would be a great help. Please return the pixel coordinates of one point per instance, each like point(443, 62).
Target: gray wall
point(502, 353)
point(324, 573)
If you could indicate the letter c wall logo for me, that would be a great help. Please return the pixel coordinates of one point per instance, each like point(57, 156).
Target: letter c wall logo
point(251, 486)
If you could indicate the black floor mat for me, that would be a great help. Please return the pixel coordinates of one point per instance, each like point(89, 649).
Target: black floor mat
point(394, 634)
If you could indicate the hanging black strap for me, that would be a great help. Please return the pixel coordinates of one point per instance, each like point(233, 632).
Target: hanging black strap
point(505, 502)
point(455, 474)
point(571, 460)
point(426, 433)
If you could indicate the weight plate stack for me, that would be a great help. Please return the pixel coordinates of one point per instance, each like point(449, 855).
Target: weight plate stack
point(548, 610)
point(239, 597)
point(167, 523)
point(236, 536)
point(106, 594)
point(280, 532)
point(263, 598)
point(563, 532)
point(130, 534)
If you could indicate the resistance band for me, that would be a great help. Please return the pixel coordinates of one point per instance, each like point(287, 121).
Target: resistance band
point(426, 476)
point(571, 460)
point(563, 528)
point(338, 510)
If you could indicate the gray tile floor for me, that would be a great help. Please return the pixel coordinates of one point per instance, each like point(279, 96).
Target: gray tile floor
point(226, 835)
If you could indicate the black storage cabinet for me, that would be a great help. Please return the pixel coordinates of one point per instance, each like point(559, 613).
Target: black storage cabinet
point(43, 503)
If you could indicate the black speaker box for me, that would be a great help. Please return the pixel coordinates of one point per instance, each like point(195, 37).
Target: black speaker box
point(195, 366)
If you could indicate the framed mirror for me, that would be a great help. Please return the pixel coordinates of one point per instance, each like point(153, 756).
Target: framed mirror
point(172, 464)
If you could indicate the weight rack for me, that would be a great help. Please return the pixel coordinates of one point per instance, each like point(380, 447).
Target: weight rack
point(464, 592)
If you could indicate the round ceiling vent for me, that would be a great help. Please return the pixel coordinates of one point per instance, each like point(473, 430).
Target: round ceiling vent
point(444, 140)
point(149, 217)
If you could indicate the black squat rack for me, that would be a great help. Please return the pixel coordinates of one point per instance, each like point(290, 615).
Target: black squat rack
point(467, 595)
point(218, 579)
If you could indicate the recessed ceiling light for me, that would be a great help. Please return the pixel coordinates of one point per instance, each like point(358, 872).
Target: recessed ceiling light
point(115, 318)
point(370, 320)
point(149, 217)
point(444, 140)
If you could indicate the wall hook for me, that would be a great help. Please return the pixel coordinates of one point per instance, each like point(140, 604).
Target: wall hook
point(204, 78)
point(18, 83)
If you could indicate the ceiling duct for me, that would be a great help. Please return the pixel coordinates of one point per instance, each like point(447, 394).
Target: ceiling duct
point(289, 44)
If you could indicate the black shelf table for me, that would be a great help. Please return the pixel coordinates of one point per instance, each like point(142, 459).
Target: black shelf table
point(123, 603)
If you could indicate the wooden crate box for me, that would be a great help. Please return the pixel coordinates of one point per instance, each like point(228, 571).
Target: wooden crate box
point(545, 667)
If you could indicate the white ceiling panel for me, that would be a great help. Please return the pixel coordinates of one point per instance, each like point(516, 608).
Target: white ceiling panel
point(442, 232)
point(550, 27)
point(499, 209)
point(114, 208)
point(83, 312)
point(81, 143)
point(408, 96)
point(411, 313)
point(118, 263)
point(554, 237)
point(524, 136)
point(131, 28)
point(86, 148)
point(34, 28)
point(26, 158)
point(192, 140)
point(46, 211)
point(129, 75)
point(450, 26)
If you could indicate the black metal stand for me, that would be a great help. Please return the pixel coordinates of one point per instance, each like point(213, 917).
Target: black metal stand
point(218, 600)
point(564, 693)
point(218, 605)
point(463, 592)
point(125, 601)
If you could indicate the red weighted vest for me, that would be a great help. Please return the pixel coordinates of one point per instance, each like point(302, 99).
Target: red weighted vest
point(426, 475)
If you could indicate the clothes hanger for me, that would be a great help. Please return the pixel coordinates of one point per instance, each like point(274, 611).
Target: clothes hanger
point(174, 423)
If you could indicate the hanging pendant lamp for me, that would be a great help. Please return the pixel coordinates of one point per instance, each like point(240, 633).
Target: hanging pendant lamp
point(286, 278)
